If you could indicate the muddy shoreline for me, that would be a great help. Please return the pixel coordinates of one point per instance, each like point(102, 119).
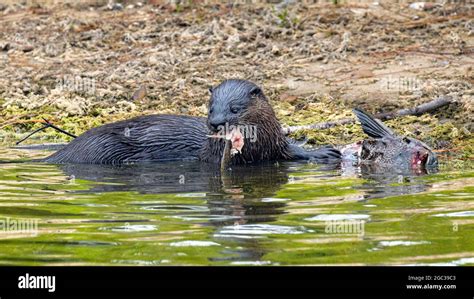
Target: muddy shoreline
point(80, 66)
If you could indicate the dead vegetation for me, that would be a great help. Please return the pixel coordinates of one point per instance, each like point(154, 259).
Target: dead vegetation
point(81, 65)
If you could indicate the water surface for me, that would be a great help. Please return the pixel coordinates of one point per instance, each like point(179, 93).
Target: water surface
point(275, 214)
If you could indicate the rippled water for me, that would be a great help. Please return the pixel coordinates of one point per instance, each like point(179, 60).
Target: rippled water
point(190, 214)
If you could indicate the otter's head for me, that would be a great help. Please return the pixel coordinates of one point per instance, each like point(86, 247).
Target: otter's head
point(235, 102)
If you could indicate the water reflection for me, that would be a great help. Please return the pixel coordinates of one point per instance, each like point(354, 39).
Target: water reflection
point(238, 204)
point(231, 199)
point(384, 181)
point(243, 195)
point(252, 182)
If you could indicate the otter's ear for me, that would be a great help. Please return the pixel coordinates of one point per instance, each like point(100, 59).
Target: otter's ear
point(257, 92)
point(211, 89)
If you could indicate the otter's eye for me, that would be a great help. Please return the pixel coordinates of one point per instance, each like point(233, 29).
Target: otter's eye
point(234, 110)
point(211, 110)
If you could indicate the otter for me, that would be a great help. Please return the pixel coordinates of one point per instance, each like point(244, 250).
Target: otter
point(234, 104)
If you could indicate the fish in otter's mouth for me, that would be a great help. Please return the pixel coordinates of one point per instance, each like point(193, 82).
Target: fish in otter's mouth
point(234, 142)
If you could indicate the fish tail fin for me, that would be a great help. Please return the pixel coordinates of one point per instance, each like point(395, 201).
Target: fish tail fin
point(371, 126)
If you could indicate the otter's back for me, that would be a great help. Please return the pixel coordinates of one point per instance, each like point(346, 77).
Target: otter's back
point(144, 138)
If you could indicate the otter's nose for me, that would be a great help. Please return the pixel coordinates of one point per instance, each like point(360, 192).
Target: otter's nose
point(216, 123)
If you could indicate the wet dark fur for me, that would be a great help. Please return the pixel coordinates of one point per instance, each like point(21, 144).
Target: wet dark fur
point(173, 137)
point(149, 138)
point(270, 143)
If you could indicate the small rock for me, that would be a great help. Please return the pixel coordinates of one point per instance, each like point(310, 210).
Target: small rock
point(115, 6)
point(275, 50)
point(423, 5)
point(27, 48)
point(139, 94)
point(417, 5)
point(5, 46)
